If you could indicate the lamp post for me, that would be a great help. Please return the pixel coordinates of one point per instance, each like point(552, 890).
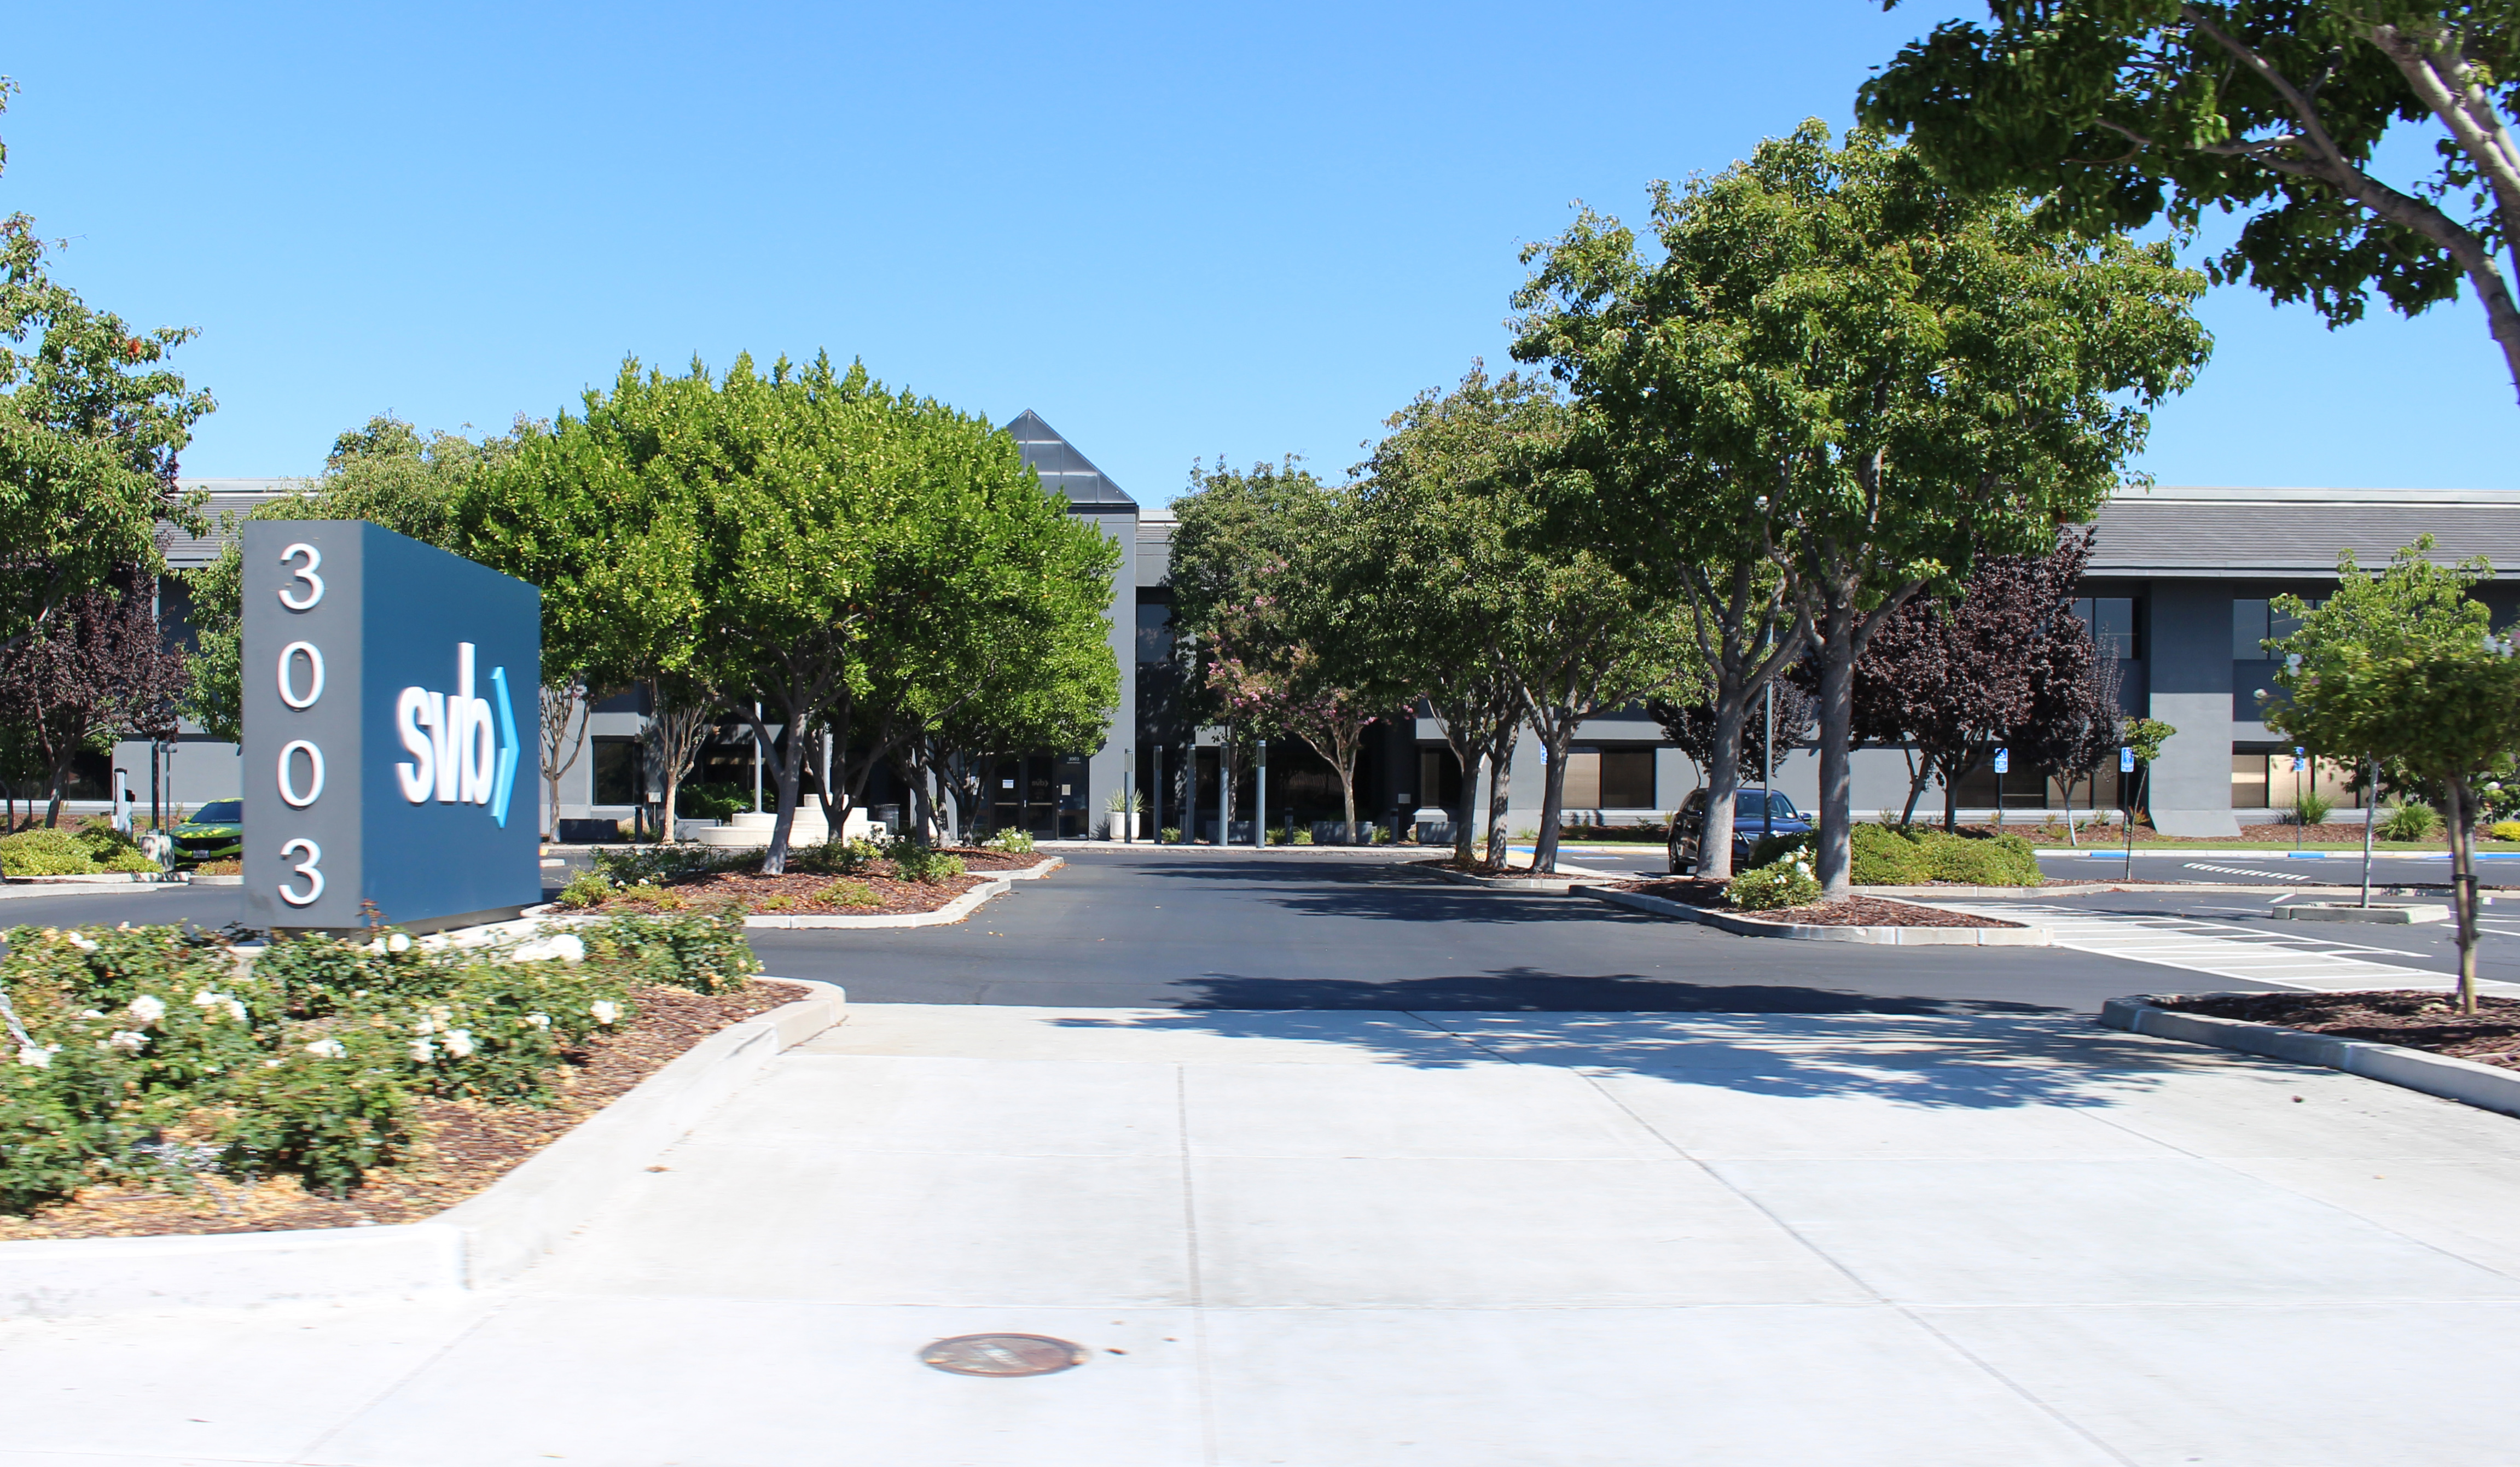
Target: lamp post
point(1260, 796)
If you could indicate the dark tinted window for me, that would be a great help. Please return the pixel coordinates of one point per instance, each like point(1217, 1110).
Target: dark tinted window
point(221, 812)
point(1745, 805)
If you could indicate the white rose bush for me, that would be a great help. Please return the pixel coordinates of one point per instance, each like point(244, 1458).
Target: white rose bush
point(138, 1045)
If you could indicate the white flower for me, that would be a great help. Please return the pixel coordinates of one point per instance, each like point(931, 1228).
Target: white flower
point(328, 1048)
point(128, 1040)
point(91, 1013)
point(236, 1010)
point(605, 1011)
point(271, 1064)
point(422, 1051)
point(459, 1043)
point(147, 1008)
point(207, 999)
point(566, 947)
point(81, 941)
point(400, 942)
point(35, 1058)
point(536, 1021)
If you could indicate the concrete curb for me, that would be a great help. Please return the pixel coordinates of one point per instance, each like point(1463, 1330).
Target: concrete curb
point(478, 1242)
point(952, 912)
point(2485, 1086)
point(25, 886)
point(1903, 937)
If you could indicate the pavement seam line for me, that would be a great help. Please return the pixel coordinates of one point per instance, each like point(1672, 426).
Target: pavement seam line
point(1207, 1430)
point(351, 1417)
point(2024, 1392)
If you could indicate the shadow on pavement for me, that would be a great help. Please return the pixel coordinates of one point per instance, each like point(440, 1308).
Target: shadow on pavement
point(1537, 991)
point(1967, 1062)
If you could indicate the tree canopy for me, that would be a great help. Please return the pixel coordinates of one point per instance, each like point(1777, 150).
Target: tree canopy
point(1893, 377)
point(2120, 112)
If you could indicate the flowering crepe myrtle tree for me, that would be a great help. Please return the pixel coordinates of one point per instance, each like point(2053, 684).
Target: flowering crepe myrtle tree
point(1264, 578)
point(2121, 112)
point(2403, 667)
point(1900, 376)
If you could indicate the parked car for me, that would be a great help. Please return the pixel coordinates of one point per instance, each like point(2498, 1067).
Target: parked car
point(215, 833)
point(1748, 825)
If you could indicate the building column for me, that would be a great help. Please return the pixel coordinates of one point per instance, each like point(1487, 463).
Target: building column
point(2187, 648)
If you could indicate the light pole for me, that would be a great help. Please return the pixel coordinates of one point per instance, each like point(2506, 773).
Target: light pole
point(1260, 796)
point(1128, 807)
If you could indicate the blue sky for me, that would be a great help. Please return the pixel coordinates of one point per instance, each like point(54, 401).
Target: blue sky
point(1176, 231)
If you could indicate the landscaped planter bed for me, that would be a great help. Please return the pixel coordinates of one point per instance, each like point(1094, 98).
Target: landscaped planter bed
point(2412, 1019)
point(1852, 912)
point(875, 890)
point(457, 1147)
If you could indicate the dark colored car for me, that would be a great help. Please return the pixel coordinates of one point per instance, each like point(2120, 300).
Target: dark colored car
point(215, 833)
point(1749, 828)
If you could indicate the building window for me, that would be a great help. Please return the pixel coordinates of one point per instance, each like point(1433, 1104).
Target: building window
point(1155, 632)
point(2255, 622)
point(2111, 619)
point(2269, 781)
point(1609, 780)
point(618, 775)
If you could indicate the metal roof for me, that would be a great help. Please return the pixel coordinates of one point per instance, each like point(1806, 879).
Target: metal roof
point(230, 498)
point(1088, 490)
point(2293, 534)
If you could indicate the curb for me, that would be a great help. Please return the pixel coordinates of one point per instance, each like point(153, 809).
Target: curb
point(1902, 937)
point(952, 912)
point(81, 887)
point(478, 1242)
point(2485, 1086)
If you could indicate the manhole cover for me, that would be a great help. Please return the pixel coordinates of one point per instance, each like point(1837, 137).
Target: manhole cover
point(1003, 1354)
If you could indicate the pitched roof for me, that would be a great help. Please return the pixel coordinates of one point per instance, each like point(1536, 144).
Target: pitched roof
point(231, 498)
point(1089, 489)
point(2278, 534)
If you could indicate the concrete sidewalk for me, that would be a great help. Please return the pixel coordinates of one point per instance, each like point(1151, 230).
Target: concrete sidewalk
point(1366, 1238)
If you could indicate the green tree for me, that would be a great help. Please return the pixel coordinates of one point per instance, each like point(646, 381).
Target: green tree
point(90, 424)
point(1487, 529)
point(1262, 567)
point(2119, 112)
point(819, 549)
point(1907, 377)
point(386, 472)
point(2401, 667)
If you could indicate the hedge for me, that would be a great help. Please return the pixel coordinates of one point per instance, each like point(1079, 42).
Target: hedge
point(160, 1054)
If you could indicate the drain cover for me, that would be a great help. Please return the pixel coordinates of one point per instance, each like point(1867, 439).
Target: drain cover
point(1003, 1354)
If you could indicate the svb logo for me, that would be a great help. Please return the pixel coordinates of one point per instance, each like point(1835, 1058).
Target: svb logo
point(457, 757)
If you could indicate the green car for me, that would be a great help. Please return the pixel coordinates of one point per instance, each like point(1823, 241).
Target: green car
point(215, 833)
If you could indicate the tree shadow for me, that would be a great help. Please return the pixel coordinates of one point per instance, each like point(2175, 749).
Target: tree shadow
point(1806, 1044)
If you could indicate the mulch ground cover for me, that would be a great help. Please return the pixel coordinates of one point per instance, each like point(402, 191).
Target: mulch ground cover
point(458, 1146)
point(1853, 912)
point(876, 891)
point(2415, 1019)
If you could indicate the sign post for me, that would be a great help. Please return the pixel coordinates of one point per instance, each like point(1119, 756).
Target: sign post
point(2125, 797)
point(390, 689)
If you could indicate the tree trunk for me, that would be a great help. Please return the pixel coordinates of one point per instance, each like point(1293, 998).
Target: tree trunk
point(788, 773)
point(1920, 773)
point(1837, 719)
point(1715, 824)
point(1553, 795)
point(2462, 887)
point(1500, 792)
point(1463, 842)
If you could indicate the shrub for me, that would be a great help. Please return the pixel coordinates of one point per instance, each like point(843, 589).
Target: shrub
point(1980, 861)
point(835, 858)
point(39, 850)
point(586, 889)
point(1171, 835)
point(1015, 842)
point(704, 954)
point(632, 865)
point(112, 850)
point(848, 894)
point(1303, 837)
point(2504, 829)
point(1785, 883)
point(2310, 808)
point(2409, 822)
point(914, 861)
point(711, 802)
